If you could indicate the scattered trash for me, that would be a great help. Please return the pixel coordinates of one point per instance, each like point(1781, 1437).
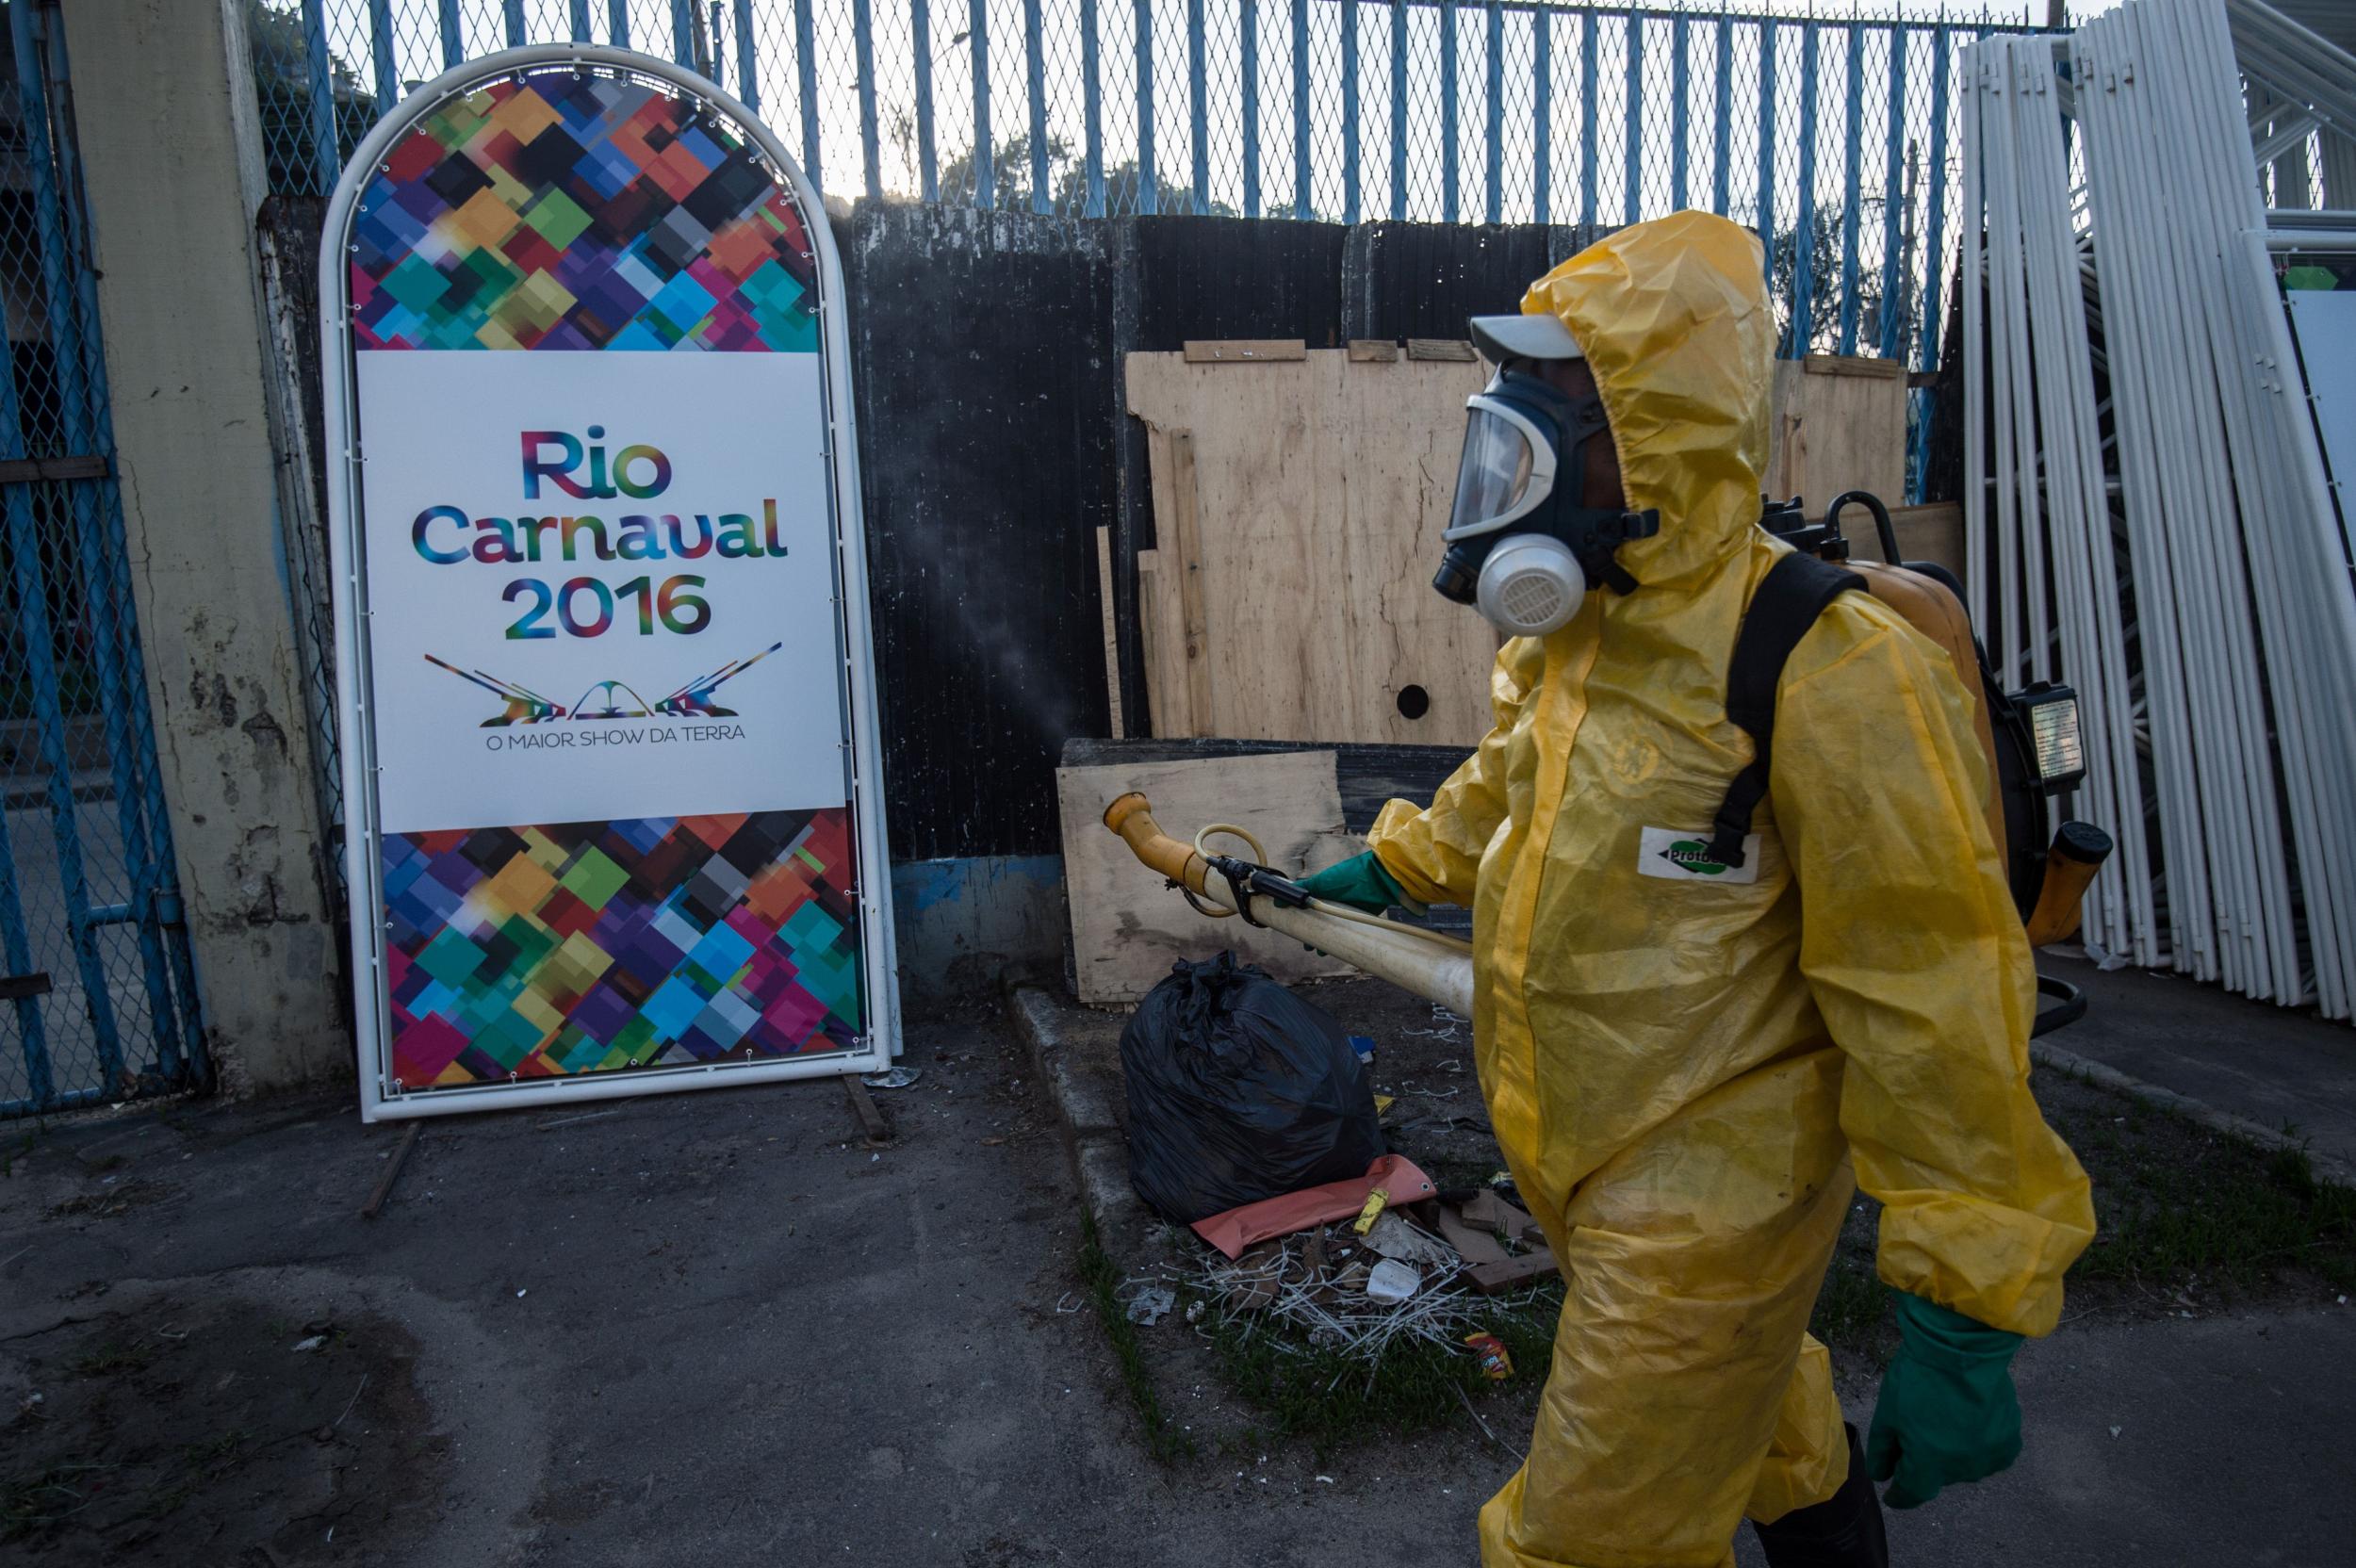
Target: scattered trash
point(1383, 1104)
point(1392, 1236)
point(1373, 1208)
point(1364, 1046)
point(895, 1078)
point(1239, 1091)
point(1149, 1306)
point(1325, 1480)
point(2116, 1430)
point(316, 1342)
point(519, 1295)
point(1238, 1228)
point(993, 1143)
point(1392, 1282)
point(1496, 1362)
point(1195, 1311)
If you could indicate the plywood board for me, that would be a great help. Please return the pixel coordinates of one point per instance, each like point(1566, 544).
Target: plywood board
point(1127, 928)
point(1318, 491)
point(1931, 532)
point(1838, 424)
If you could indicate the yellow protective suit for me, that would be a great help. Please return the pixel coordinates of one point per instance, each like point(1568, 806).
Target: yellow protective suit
point(1680, 1070)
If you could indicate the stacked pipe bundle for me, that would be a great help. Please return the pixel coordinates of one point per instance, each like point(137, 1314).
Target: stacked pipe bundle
point(2174, 552)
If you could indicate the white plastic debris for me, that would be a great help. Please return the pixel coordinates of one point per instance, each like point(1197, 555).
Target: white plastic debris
point(1394, 1237)
point(1392, 1282)
point(1151, 1305)
point(896, 1078)
point(316, 1341)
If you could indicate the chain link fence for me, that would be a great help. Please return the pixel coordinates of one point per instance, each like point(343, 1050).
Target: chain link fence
point(1836, 138)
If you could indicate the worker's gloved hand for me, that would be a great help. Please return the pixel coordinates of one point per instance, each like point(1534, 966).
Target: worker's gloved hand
point(1947, 1412)
point(1360, 882)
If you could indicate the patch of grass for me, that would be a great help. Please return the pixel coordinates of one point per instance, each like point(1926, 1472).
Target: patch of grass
point(201, 1464)
point(1101, 1278)
point(1330, 1398)
point(113, 1357)
point(1854, 1305)
point(39, 1501)
point(2178, 1202)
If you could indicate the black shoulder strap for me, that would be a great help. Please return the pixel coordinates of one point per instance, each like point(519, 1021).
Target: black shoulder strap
point(1793, 592)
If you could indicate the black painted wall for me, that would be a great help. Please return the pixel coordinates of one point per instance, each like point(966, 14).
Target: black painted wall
point(994, 441)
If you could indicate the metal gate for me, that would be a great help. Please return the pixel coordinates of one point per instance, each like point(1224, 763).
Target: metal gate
point(98, 999)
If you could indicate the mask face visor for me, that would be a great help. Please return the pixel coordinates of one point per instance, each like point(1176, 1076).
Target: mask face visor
point(1506, 470)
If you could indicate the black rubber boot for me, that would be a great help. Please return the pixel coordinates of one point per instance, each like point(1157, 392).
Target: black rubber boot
point(1843, 1531)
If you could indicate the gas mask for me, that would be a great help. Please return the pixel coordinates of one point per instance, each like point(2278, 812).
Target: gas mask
point(1520, 546)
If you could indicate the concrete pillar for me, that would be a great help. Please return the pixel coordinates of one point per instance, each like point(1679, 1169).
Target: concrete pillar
point(171, 144)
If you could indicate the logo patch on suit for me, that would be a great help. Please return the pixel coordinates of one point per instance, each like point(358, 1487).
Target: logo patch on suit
point(1676, 856)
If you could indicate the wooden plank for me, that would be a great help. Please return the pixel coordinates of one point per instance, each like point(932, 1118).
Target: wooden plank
point(1165, 670)
point(1319, 493)
point(1373, 351)
point(1127, 927)
point(1932, 532)
point(1440, 347)
point(1244, 350)
point(1835, 430)
point(1186, 568)
point(1112, 630)
point(1853, 365)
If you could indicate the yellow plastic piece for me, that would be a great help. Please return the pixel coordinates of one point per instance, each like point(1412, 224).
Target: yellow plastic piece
point(1367, 1217)
point(1682, 1071)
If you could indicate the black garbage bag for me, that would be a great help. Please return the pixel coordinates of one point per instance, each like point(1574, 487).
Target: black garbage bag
point(1239, 1091)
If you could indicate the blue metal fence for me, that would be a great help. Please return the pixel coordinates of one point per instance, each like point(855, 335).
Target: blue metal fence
point(99, 992)
point(1831, 135)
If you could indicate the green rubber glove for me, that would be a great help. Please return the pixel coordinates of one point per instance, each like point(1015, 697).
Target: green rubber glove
point(1360, 882)
point(1947, 1412)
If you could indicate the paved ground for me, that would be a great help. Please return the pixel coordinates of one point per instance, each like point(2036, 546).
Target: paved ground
point(714, 1329)
point(2279, 1068)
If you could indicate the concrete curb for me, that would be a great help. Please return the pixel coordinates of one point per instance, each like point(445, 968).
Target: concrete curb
point(2326, 1167)
point(1086, 1095)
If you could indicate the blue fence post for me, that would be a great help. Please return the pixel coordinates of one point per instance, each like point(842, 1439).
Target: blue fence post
point(805, 64)
point(1350, 111)
point(380, 52)
point(984, 157)
point(452, 27)
point(1852, 182)
point(1399, 110)
point(73, 312)
point(863, 60)
point(1035, 90)
point(1197, 106)
point(1542, 114)
point(1934, 232)
point(1678, 125)
point(617, 23)
point(921, 43)
point(1301, 207)
point(1722, 146)
point(16, 945)
point(1893, 208)
point(1587, 119)
point(1091, 112)
point(682, 30)
point(1766, 202)
point(517, 33)
point(580, 19)
point(326, 149)
point(1248, 40)
point(1447, 111)
point(139, 808)
point(1148, 180)
point(1632, 132)
point(1804, 236)
point(749, 59)
point(1495, 206)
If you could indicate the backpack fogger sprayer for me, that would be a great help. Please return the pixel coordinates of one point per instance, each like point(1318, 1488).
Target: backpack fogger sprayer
point(2031, 738)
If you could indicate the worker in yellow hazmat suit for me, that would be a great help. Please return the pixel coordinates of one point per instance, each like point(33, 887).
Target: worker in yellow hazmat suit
point(1684, 1060)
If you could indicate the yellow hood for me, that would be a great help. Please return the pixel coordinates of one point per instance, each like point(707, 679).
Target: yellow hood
point(1675, 320)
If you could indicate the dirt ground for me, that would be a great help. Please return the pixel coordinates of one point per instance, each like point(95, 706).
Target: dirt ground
point(165, 1434)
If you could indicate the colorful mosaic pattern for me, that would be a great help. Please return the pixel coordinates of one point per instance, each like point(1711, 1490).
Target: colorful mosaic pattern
point(597, 947)
point(557, 211)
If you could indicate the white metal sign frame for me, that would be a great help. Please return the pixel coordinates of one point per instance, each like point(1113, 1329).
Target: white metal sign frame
point(382, 1097)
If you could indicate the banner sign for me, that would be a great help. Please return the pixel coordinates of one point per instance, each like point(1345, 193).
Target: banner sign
point(608, 726)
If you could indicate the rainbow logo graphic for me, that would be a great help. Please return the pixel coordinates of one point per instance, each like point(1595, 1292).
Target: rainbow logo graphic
point(607, 700)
